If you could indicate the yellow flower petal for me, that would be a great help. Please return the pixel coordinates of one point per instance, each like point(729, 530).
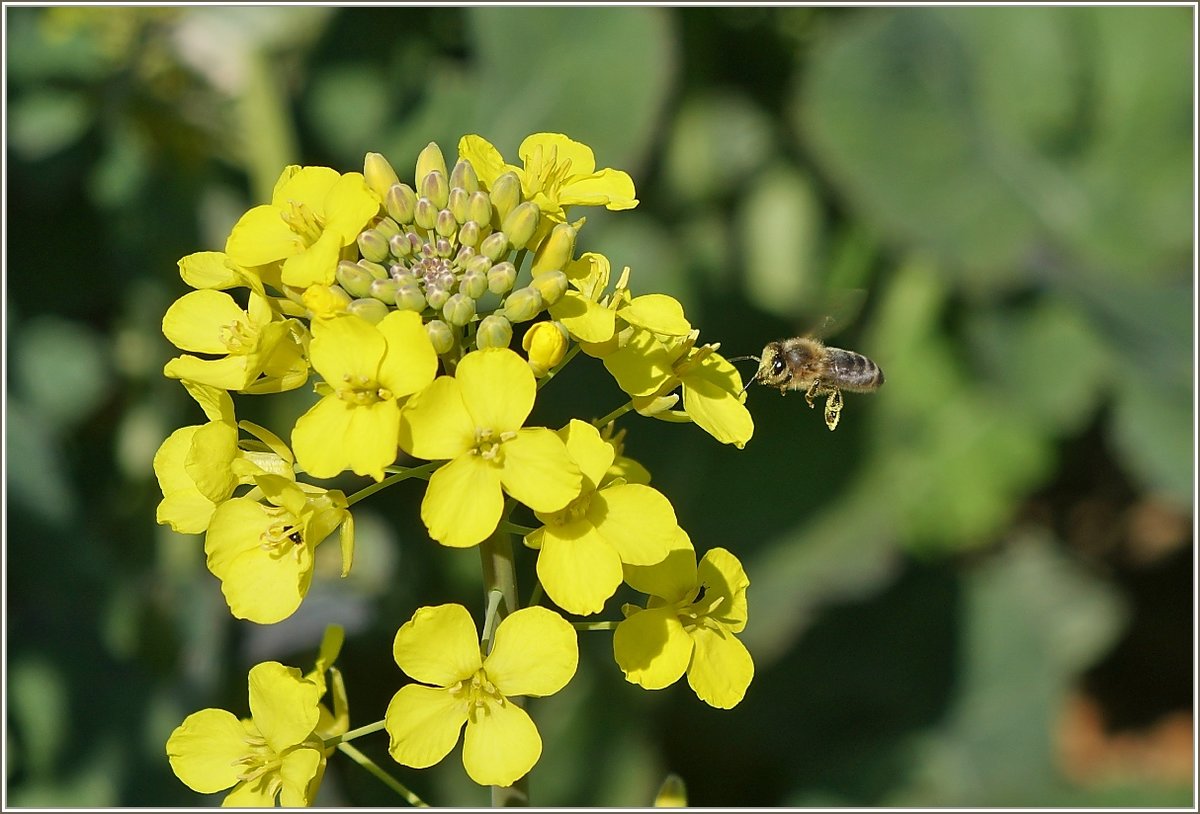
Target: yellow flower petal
point(612, 189)
point(423, 724)
point(410, 362)
point(439, 645)
point(308, 185)
point(590, 452)
point(204, 750)
point(659, 313)
point(463, 502)
point(722, 575)
point(260, 236)
point(538, 471)
point(349, 205)
point(672, 579)
point(302, 770)
point(652, 648)
point(501, 745)
point(283, 704)
point(195, 321)
point(316, 265)
point(584, 319)
point(721, 668)
point(336, 435)
point(346, 346)
point(578, 568)
point(498, 388)
point(636, 520)
point(712, 397)
point(209, 270)
point(535, 652)
point(641, 365)
point(484, 158)
point(435, 424)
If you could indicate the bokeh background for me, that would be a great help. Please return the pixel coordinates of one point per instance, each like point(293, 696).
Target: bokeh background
point(977, 592)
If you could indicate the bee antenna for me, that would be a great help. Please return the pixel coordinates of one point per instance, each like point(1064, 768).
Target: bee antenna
point(753, 378)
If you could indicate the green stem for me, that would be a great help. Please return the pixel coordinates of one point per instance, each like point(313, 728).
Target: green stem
point(369, 729)
point(536, 596)
point(595, 625)
point(600, 423)
point(552, 372)
point(389, 781)
point(513, 528)
point(422, 471)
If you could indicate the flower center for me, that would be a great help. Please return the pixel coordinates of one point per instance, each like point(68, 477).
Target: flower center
point(261, 764)
point(284, 536)
point(479, 694)
point(575, 510)
point(303, 221)
point(362, 391)
point(489, 444)
point(238, 337)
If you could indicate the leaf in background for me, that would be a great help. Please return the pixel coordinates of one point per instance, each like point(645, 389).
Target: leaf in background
point(717, 144)
point(61, 368)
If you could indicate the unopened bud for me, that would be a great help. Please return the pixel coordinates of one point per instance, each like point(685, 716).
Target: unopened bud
point(373, 245)
point(521, 223)
point(377, 271)
point(446, 225)
point(379, 174)
point(436, 297)
point(353, 278)
point(436, 188)
point(479, 263)
point(556, 250)
point(325, 300)
point(441, 335)
point(551, 285)
point(494, 332)
point(385, 290)
point(473, 284)
point(672, 793)
point(400, 246)
point(546, 344)
point(459, 309)
point(426, 214)
point(468, 235)
point(388, 228)
point(409, 297)
point(430, 160)
point(479, 208)
point(501, 277)
point(522, 305)
point(506, 193)
point(369, 308)
point(458, 203)
point(400, 203)
point(494, 246)
point(463, 175)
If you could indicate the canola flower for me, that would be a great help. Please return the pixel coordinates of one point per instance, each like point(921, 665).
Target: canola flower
point(421, 317)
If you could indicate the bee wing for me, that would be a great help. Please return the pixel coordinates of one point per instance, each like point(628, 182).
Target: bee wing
point(839, 310)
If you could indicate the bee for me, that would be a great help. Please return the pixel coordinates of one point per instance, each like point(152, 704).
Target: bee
point(805, 363)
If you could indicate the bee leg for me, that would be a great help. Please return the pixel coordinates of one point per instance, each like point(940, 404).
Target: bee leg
point(833, 409)
point(813, 391)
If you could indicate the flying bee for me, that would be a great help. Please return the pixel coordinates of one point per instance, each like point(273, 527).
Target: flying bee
point(805, 363)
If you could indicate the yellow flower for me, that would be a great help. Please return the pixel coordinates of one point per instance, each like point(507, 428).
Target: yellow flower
point(534, 653)
point(558, 172)
point(583, 546)
point(688, 626)
point(263, 552)
point(474, 420)
point(546, 343)
point(367, 369)
point(274, 757)
point(259, 353)
point(580, 310)
point(314, 213)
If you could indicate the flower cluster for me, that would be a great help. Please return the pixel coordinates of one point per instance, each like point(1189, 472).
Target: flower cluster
point(427, 316)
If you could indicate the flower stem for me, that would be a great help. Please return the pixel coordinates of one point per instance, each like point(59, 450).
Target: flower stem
point(552, 372)
point(422, 471)
point(389, 781)
point(354, 733)
point(600, 423)
point(595, 625)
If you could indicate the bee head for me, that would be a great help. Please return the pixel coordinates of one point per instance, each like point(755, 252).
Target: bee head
point(772, 369)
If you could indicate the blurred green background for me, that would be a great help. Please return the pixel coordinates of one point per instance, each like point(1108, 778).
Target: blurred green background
point(977, 592)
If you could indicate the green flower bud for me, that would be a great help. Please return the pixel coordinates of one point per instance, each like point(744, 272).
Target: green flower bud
point(426, 214)
point(463, 176)
point(370, 309)
point(546, 344)
point(468, 235)
point(409, 297)
point(400, 246)
point(373, 245)
point(494, 332)
point(441, 335)
point(522, 305)
point(353, 278)
point(430, 160)
point(388, 228)
point(494, 246)
point(473, 284)
point(479, 208)
point(464, 257)
point(385, 290)
point(551, 285)
point(436, 297)
point(446, 225)
point(506, 193)
point(436, 188)
point(521, 223)
point(376, 271)
point(479, 263)
point(379, 174)
point(459, 309)
point(400, 203)
point(403, 275)
point(458, 203)
point(556, 250)
point(443, 248)
point(501, 277)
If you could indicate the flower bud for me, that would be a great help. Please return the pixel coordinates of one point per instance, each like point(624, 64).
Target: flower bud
point(384, 290)
point(441, 335)
point(546, 344)
point(325, 300)
point(376, 271)
point(443, 248)
point(479, 208)
point(409, 297)
point(372, 245)
point(463, 176)
point(522, 305)
point(521, 223)
point(353, 278)
point(501, 277)
point(473, 284)
point(388, 228)
point(551, 285)
point(436, 297)
point(464, 257)
point(556, 250)
point(506, 193)
point(494, 246)
point(468, 235)
point(459, 309)
point(426, 214)
point(400, 246)
point(436, 188)
point(430, 160)
point(379, 174)
point(446, 225)
point(458, 203)
point(369, 308)
point(494, 332)
point(479, 263)
point(400, 203)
